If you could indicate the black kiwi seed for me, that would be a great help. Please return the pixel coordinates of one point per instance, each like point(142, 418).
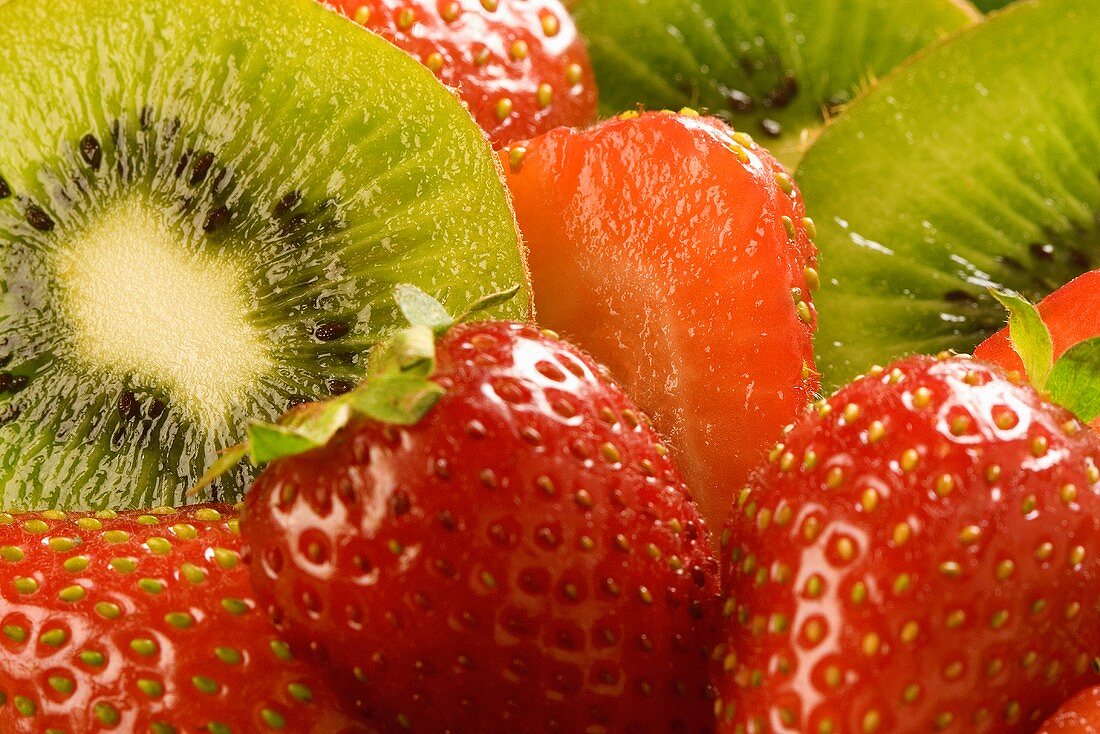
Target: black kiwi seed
point(216, 219)
point(739, 101)
point(90, 151)
point(339, 387)
point(155, 409)
point(10, 383)
point(783, 94)
point(182, 165)
point(328, 331)
point(288, 203)
point(960, 296)
point(5, 190)
point(1041, 251)
point(38, 218)
point(128, 405)
point(201, 167)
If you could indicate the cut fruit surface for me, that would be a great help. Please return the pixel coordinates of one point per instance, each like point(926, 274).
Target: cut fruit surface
point(677, 252)
point(204, 206)
point(776, 68)
point(973, 166)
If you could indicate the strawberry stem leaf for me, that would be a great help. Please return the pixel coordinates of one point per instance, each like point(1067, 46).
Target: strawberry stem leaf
point(398, 389)
point(490, 301)
point(1029, 336)
point(226, 461)
point(399, 400)
point(1075, 380)
point(420, 309)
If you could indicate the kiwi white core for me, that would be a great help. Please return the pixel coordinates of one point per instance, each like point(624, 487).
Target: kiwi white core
point(143, 306)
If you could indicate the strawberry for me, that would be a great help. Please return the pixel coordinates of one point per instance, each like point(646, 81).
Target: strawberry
point(487, 536)
point(1071, 315)
point(678, 253)
point(921, 553)
point(519, 65)
point(135, 622)
point(1079, 715)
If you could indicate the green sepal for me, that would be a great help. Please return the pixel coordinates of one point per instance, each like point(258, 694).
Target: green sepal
point(410, 351)
point(303, 429)
point(397, 391)
point(420, 309)
point(1074, 382)
point(1029, 336)
point(226, 461)
point(489, 302)
point(399, 400)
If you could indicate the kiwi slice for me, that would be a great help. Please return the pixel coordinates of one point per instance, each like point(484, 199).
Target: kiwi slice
point(204, 206)
point(974, 166)
point(774, 68)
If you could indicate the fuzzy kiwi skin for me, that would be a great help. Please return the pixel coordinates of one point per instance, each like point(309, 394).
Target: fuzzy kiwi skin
point(776, 69)
point(278, 141)
point(975, 165)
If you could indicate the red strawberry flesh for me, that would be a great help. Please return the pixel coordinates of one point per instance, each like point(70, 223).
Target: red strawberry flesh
point(677, 252)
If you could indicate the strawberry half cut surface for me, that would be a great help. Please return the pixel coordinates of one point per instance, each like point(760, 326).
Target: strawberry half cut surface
point(145, 622)
point(678, 253)
point(921, 553)
point(487, 536)
point(1079, 715)
point(519, 65)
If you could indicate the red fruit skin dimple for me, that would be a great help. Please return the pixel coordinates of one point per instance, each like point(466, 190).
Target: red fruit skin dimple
point(524, 559)
point(124, 621)
point(1079, 715)
point(921, 553)
point(519, 65)
point(677, 252)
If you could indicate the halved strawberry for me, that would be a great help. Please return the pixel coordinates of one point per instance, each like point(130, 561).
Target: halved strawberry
point(144, 622)
point(1079, 715)
point(920, 554)
point(678, 253)
point(487, 536)
point(519, 65)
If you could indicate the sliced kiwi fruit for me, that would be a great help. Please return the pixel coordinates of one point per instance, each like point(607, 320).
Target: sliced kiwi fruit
point(774, 68)
point(974, 166)
point(204, 206)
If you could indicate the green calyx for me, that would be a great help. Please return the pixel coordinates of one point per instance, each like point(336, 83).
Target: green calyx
point(1073, 381)
point(398, 389)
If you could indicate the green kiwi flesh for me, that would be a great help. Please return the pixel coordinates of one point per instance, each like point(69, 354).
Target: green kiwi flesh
point(773, 68)
point(974, 166)
point(988, 6)
point(204, 206)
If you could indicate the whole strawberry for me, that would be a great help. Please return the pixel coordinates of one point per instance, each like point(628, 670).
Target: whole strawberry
point(136, 622)
point(519, 65)
point(1079, 715)
point(523, 557)
point(921, 554)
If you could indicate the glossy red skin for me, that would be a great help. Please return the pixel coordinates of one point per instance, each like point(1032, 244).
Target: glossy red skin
point(259, 681)
point(1079, 715)
point(408, 522)
point(773, 534)
point(658, 251)
point(1071, 313)
point(493, 27)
